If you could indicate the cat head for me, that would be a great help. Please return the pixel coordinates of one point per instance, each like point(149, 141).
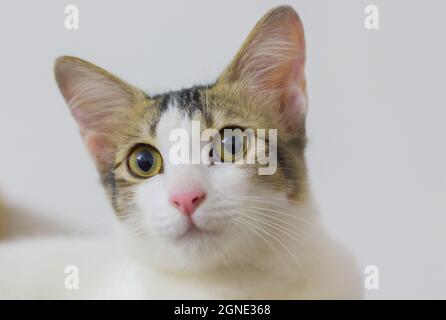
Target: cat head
point(210, 213)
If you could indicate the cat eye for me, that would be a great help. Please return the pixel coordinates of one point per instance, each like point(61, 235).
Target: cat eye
point(145, 161)
point(231, 147)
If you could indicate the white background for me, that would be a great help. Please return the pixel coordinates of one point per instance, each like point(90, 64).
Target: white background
point(376, 122)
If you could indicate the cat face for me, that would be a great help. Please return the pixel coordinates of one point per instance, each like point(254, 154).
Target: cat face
point(207, 213)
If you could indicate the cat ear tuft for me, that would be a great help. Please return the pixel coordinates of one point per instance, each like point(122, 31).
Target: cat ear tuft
point(271, 64)
point(99, 102)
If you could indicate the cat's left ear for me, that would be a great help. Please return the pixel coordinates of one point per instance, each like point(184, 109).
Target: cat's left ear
point(271, 65)
point(101, 104)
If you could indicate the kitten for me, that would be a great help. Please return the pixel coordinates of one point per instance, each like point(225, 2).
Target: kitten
point(206, 230)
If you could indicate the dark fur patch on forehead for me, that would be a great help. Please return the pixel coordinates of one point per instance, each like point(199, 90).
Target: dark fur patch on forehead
point(189, 101)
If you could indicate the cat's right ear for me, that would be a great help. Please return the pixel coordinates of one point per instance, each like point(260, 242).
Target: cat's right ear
point(99, 102)
point(271, 64)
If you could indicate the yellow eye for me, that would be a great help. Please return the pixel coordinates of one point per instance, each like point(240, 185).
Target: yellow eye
point(145, 161)
point(232, 145)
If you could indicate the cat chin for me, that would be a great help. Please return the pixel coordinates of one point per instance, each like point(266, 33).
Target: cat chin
point(173, 258)
point(190, 253)
point(198, 255)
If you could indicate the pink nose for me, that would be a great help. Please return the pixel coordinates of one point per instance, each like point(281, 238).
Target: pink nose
point(187, 202)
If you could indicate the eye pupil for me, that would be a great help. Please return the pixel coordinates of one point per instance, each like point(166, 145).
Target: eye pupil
point(145, 161)
point(233, 144)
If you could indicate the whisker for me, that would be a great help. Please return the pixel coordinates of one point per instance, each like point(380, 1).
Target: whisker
point(294, 227)
point(286, 249)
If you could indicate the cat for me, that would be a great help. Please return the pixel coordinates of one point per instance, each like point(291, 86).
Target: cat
point(210, 230)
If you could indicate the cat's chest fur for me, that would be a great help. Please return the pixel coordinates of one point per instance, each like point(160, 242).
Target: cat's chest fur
point(148, 283)
point(106, 271)
point(277, 282)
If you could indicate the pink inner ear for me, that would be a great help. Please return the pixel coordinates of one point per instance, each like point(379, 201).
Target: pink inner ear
point(99, 147)
point(293, 98)
point(294, 108)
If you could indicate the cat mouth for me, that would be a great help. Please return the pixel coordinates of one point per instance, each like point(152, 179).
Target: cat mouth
point(195, 232)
